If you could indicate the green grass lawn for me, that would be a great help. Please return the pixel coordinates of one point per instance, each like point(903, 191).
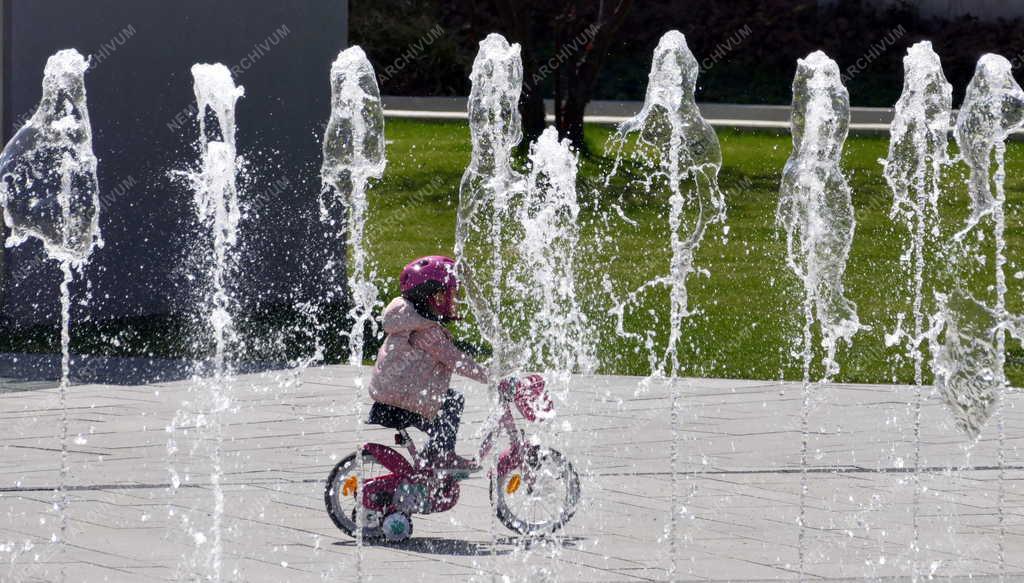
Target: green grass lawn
point(749, 319)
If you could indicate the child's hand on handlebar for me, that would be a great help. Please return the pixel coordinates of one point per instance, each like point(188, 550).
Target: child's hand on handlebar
point(507, 387)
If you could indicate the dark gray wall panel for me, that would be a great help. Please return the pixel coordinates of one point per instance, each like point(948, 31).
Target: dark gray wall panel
point(138, 90)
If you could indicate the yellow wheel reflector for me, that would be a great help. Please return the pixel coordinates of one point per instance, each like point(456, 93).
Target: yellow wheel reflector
point(349, 487)
point(513, 484)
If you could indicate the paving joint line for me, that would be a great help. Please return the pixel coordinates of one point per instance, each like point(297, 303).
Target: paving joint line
point(782, 471)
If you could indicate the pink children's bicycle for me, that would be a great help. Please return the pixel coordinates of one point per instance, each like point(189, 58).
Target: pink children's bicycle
point(534, 489)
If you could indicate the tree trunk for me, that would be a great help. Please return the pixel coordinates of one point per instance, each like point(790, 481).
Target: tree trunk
point(583, 32)
point(531, 101)
point(531, 104)
point(570, 106)
point(583, 45)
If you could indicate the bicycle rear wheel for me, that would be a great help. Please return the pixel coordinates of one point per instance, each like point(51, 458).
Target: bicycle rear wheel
point(343, 496)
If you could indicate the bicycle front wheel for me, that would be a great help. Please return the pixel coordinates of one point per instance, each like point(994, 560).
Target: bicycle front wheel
point(540, 496)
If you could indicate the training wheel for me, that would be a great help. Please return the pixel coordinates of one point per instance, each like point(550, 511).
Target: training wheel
point(397, 527)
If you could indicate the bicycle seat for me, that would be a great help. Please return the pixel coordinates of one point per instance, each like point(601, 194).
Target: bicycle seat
point(391, 417)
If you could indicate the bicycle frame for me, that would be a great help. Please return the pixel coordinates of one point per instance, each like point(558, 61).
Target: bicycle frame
point(437, 487)
point(503, 421)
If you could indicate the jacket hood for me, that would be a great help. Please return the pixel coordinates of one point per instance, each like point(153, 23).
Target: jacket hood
point(401, 317)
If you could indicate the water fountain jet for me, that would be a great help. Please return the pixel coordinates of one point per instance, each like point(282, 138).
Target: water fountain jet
point(919, 139)
point(49, 191)
point(689, 157)
point(972, 380)
point(353, 151)
point(486, 189)
point(544, 283)
point(517, 239)
point(353, 155)
point(993, 106)
point(816, 212)
point(215, 201)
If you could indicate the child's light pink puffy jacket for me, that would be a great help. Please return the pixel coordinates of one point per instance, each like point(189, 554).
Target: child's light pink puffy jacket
point(415, 364)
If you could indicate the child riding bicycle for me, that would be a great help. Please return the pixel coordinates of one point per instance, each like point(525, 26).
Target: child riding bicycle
point(410, 381)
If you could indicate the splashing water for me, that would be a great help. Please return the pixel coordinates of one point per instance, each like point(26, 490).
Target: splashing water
point(557, 338)
point(215, 193)
point(217, 210)
point(913, 169)
point(517, 236)
point(993, 106)
point(689, 158)
point(815, 207)
point(966, 362)
point(517, 239)
point(487, 187)
point(49, 191)
point(816, 212)
point(353, 155)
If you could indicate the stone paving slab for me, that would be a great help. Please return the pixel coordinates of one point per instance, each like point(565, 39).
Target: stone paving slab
point(142, 502)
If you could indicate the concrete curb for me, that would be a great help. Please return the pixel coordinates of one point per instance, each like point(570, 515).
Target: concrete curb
point(863, 120)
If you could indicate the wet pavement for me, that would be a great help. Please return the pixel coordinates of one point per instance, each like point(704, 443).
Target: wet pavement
point(141, 497)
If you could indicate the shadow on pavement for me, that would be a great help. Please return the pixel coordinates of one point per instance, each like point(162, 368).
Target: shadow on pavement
point(433, 545)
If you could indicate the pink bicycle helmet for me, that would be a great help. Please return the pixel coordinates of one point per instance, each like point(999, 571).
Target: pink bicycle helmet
point(431, 281)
